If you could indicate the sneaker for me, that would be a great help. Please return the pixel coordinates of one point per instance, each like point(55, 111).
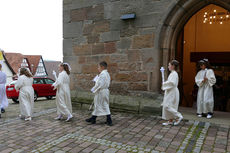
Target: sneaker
point(209, 116)
point(167, 123)
point(178, 121)
point(28, 119)
point(199, 115)
point(69, 118)
point(58, 118)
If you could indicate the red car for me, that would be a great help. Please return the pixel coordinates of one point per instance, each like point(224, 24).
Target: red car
point(42, 88)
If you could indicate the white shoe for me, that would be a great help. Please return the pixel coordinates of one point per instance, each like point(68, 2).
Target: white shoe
point(167, 123)
point(199, 115)
point(209, 116)
point(58, 118)
point(28, 119)
point(69, 118)
point(178, 121)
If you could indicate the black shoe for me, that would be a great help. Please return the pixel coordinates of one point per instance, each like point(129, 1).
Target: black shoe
point(88, 120)
point(91, 120)
point(3, 110)
point(109, 123)
point(109, 120)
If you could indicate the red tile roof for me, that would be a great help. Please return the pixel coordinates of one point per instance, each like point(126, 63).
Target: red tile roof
point(15, 61)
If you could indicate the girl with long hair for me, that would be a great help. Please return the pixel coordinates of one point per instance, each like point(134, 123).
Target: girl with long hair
point(171, 96)
point(63, 100)
point(26, 93)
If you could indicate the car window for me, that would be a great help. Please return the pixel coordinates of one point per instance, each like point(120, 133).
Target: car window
point(49, 81)
point(38, 81)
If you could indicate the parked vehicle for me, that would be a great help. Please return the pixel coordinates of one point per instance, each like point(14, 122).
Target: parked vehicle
point(42, 88)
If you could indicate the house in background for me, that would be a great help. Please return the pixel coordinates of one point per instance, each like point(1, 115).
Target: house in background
point(51, 66)
point(34, 63)
point(6, 68)
point(37, 66)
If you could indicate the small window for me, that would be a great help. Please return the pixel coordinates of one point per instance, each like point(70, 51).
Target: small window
point(49, 81)
point(39, 81)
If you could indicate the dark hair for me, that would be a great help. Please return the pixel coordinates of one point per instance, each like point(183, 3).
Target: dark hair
point(0, 66)
point(65, 67)
point(24, 71)
point(204, 62)
point(175, 63)
point(103, 64)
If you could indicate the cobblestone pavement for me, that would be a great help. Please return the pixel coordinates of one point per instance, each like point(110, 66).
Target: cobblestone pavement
point(130, 133)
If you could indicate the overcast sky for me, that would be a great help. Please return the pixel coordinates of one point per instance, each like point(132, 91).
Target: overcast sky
point(32, 27)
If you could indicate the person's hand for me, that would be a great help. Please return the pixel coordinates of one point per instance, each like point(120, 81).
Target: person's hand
point(205, 79)
point(54, 73)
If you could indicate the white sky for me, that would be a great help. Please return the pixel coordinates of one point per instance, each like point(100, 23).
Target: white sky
point(32, 27)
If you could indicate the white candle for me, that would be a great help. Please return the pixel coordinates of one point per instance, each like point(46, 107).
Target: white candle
point(162, 74)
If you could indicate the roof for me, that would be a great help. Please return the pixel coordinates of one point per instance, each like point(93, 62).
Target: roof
point(50, 66)
point(33, 61)
point(14, 60)
point(7, 63)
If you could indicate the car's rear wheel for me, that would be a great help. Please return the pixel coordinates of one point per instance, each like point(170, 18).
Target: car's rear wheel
point(49, 97)
point(35, 96)
point(15, 100)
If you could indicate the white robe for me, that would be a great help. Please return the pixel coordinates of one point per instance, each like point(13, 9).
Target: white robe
point(3, 98)
point(63, 99)
point(205, 99)
point(171, 97)
point(101, 98)
point(26, 95)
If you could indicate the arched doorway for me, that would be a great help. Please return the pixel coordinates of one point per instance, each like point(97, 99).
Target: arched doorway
point(171, 31)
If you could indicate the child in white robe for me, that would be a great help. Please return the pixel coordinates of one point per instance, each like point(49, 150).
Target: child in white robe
point(171, 96)
point(26, 93)
point(63, 99)
point(101, 98)
point(205, 79)
point(3, 97)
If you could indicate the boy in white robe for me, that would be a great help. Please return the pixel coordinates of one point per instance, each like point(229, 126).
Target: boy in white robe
point(205, 79)
point(101, 98)
point(171, 96)
point(63, 99)
point(26, 93)
point(3, 97)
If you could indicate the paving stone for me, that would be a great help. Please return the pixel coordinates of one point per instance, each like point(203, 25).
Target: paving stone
point(130, 133)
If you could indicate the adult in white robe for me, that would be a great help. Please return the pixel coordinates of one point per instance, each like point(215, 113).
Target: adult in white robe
point(3, 97)
point(101, 98)
point(171, 98)
point(26, 96)
point(205, 79)
point(63, 99)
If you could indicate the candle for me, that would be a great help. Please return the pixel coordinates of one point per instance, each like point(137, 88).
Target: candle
point(162, 74)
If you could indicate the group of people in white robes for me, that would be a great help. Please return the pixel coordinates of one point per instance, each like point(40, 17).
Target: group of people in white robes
point(205, 79)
